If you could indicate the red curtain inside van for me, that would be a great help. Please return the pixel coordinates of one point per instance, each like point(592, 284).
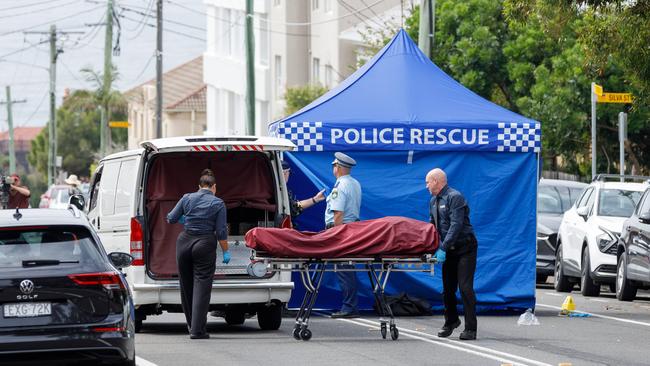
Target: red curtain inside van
point(244, 179)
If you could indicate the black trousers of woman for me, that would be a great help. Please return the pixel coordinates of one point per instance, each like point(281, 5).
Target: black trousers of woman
point(196, 256)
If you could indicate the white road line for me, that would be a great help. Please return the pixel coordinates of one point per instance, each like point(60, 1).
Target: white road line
point(598, 300)
point(139, 361)
point(598, 315)
point(552, 294)
point(484, 352)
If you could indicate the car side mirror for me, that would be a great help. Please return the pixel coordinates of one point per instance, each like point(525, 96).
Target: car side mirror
point(120, 260)
point(78, 201)
point(645, 218)
point(583, 212)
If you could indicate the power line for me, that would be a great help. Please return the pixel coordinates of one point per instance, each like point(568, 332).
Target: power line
point(145, 15)
point(166, 29)
point(38, 10)
point(50, 21)
point(35, 110)
point(28, 5)
point(22, 49)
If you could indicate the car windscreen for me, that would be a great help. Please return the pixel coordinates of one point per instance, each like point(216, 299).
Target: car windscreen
point(67, 244)
point(617, 202)
point(549, 200)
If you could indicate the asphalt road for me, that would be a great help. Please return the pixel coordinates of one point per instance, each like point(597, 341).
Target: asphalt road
point(616, 333)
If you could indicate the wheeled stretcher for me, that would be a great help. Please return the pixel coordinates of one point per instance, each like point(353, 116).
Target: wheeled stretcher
point(312, 271)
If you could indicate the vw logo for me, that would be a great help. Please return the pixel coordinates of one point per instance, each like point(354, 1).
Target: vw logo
point(26, 287)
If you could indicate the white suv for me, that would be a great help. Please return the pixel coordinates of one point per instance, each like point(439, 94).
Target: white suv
point(588, 235)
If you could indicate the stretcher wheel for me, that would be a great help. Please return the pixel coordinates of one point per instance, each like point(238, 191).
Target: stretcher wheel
point(305, 334)
point(296, 332)
point(394, 333)
point(383, 330)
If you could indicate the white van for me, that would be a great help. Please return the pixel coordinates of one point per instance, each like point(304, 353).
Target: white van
point(131, 193)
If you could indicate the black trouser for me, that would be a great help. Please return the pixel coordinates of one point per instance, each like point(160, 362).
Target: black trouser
point(458, 272)
point(196, 256)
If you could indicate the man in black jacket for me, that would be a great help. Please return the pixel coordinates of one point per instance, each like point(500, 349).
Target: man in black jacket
point(450, 214)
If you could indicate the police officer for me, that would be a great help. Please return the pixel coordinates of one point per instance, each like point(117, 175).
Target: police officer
point(204, 218)
point(296, 206)
point(450, 214)
point(343, 206)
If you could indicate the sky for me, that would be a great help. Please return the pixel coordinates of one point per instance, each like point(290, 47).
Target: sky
point(24, 57)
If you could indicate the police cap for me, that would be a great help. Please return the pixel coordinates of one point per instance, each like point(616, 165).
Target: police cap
point(343, 160)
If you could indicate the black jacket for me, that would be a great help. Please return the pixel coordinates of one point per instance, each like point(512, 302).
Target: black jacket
point(456, 232)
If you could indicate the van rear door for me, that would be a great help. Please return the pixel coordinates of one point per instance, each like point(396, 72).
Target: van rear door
point(249, 180)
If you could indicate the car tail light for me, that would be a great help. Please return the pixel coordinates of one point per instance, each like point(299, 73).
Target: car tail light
point(286, 223)
point(109, 280)
point(137, 248)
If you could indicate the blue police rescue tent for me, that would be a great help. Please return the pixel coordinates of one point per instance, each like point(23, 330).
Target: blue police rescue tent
point(400, 116)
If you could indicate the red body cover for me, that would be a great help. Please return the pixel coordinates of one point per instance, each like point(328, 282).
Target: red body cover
point(388, 236)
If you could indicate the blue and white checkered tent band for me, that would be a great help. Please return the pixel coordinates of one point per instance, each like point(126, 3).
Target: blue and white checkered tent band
point(500, 137)
point(519, 137)
point(306, 135)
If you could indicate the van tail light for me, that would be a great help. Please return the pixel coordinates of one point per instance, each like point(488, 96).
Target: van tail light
point(286, 223)
point(137, 247)
point(109, 280)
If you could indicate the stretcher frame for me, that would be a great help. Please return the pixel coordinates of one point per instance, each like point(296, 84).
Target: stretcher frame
point(312, 271)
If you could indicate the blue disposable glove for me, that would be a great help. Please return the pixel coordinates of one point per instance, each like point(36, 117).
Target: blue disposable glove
point(226, 257)
point(181, 220)
point(441, 256)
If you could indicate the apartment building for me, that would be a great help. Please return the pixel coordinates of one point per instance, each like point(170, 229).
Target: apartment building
point(297, 42)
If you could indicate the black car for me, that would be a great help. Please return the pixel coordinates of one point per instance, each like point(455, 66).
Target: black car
point(62, 300)
point(633, 264)
point(554, 197)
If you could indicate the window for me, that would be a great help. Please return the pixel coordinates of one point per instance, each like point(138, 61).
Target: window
point(224, 39)
point(585, 196)
point(94, 191)
point(125, 187)
point(617, 202)
point(314, 4)
point(276, 2)
point(549, 200)
point(63, 243)
point(329, 76)
point(109, 181)
point(327, 5)
point(278, 77)
point(263, 39)
point(315, 70)
point(644, 208)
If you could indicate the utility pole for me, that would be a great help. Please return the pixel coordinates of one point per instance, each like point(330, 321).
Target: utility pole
point(10, 123)
point(427, 26)
point(108, 77)
point(250, 70)
point(51, 161)
point(159, 71)
point(54, 54)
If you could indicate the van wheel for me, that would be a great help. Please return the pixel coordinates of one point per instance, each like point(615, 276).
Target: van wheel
point(587, 285)
point(625, 289)
point(235, 317)
point(560, 282)
point(270, 317)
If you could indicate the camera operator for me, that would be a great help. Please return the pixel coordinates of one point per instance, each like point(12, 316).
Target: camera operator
point(18, 194)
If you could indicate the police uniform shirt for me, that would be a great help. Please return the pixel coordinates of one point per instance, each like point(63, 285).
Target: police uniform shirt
point(345, 197)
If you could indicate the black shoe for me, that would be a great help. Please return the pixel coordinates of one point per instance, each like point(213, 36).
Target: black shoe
point(200, 336)
point(468, 335)
point(448, 329)
point(345, 314)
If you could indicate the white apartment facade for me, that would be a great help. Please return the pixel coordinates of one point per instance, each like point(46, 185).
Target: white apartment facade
point(297, 42)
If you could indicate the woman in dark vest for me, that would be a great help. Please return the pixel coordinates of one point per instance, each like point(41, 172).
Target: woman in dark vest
point(204, 218)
